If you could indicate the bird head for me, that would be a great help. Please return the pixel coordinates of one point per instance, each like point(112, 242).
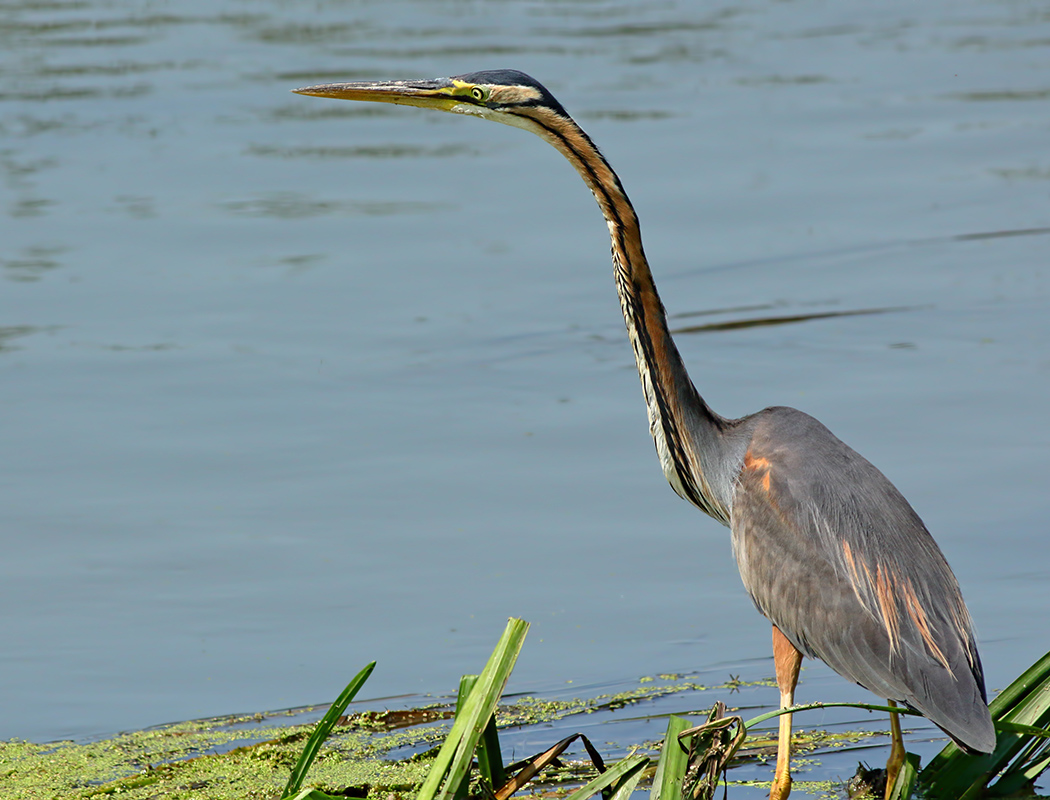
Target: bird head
point(503, 95)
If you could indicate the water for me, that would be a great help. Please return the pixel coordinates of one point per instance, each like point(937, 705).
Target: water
point(292, 384)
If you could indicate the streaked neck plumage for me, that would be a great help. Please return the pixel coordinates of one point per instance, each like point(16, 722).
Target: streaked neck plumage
point(687, 433)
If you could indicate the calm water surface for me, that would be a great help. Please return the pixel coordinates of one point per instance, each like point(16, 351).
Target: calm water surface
point(289, 385)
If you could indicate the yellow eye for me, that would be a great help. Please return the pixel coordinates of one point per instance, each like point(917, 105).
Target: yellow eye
point(478, 93)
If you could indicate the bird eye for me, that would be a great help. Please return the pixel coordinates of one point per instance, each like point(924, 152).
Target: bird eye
point(477, 93)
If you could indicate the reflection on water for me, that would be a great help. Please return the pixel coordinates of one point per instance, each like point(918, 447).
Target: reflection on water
point(293, 205)
point(134, 206)
point(381, 151)
point(289, 385)
point(1025, 173)
point(9, 335)
point(33, 262)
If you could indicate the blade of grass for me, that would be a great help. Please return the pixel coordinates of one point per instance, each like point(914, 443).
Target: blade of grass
point(1027, 682)
point(905, 782)
point(1024, 703)
point(1027, 730)
point(1021, 778)
point(810, 706)
point(624, 788)
point(1033, 709)
point(667, 783)
point(609, 777)
point(1032, 759)
point(1034, 770)
point(466, 686)
point(1007, 698)
point(456, 754)
point(490, 760)
point(534, 766)
point(324, 727)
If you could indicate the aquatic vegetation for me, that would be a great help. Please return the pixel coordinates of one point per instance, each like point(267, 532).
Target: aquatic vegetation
point(693, 759)
point(413, 752)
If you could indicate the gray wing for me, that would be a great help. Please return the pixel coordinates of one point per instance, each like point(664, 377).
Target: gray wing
point(835, 557)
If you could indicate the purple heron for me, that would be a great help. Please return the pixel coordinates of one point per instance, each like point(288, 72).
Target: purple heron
point(829, 550)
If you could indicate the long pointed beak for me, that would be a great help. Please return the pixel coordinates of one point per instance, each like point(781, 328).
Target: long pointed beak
point(425, 94)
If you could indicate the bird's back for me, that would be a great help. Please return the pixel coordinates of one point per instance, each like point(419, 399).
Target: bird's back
point(836, 558)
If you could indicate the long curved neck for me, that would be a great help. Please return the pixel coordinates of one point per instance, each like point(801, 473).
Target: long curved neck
point(688, 434)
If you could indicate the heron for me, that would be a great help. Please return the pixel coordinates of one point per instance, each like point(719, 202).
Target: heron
point(829, 550)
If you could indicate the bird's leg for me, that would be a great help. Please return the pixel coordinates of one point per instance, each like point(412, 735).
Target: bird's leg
point(787, 660)
point(896, 761)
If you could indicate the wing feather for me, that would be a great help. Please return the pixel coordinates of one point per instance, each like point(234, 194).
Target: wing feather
point(836, 558)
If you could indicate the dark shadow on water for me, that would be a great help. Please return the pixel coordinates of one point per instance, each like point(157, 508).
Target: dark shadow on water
point(786, 319)
point(970, 237)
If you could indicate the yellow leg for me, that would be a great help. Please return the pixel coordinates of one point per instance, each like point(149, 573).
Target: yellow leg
point(787, 661)
point(893, 766)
